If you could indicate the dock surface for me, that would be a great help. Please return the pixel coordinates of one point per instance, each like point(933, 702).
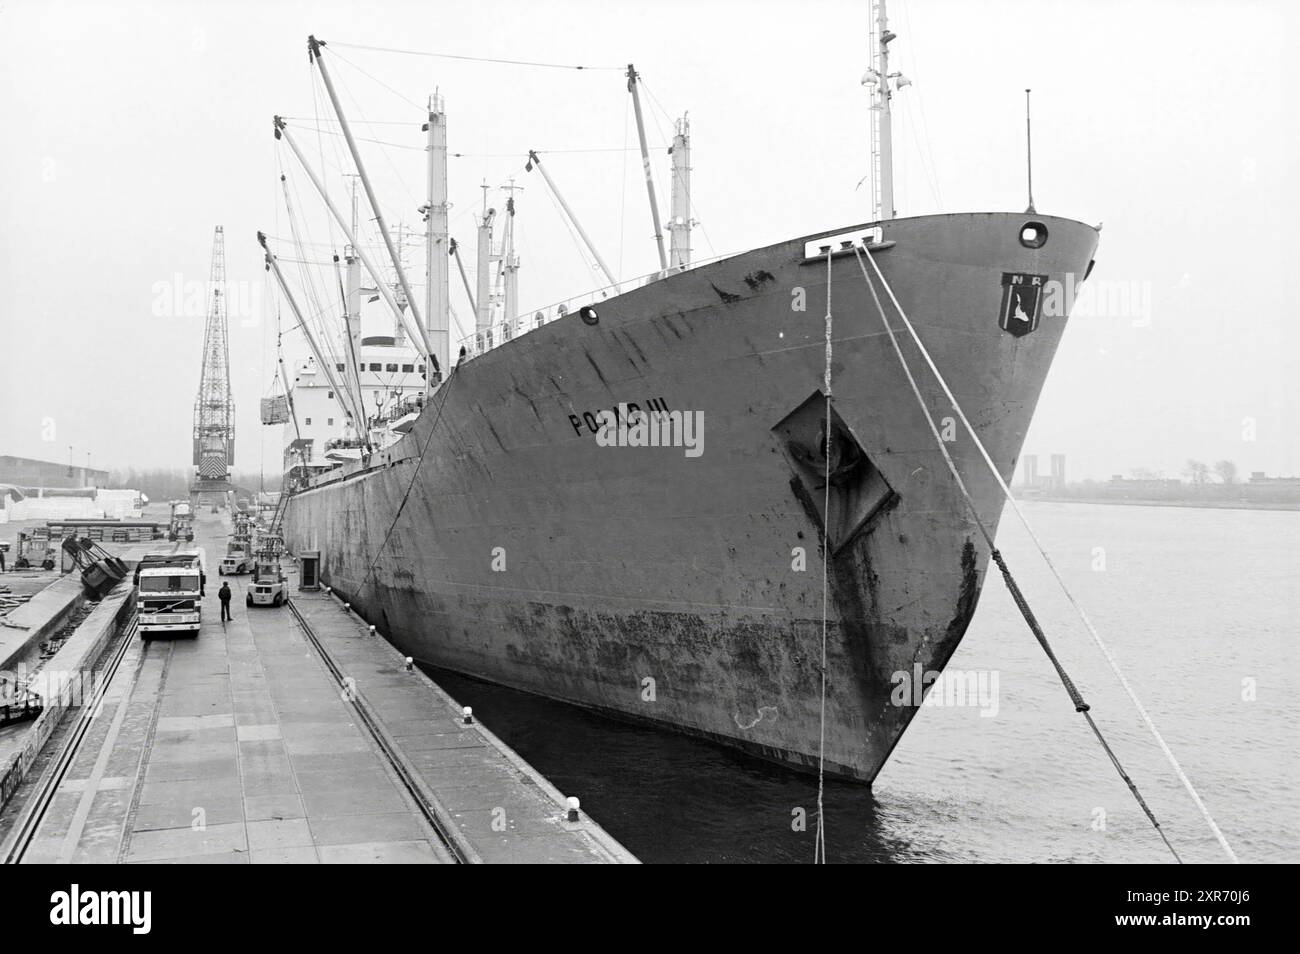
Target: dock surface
point(294, 735)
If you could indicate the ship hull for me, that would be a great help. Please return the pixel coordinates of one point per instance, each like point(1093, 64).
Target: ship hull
point(500, 538)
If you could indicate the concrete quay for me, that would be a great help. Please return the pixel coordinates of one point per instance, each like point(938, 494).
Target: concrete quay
point(292, 735)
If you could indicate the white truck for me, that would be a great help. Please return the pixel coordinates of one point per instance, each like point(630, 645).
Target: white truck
point(171, 589)
point(182, 522)
point(237, 559)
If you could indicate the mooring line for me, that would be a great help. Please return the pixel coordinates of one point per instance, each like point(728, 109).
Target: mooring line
point(819, 846)
point(1021, 603)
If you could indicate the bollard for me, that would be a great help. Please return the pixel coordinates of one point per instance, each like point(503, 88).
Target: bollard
point(372, 631)
point(328, 591)
point(410, 663)
point(467, 715)
point(574, 805)
point(347, 607)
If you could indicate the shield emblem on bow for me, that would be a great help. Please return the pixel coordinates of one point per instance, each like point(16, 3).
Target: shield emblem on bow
point(1022, 300)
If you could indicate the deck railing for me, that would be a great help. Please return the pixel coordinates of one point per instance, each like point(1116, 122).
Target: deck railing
point(497, 334)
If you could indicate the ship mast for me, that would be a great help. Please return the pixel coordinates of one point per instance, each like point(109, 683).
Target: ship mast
point(437, 291)
point(679, 227)
point(878, 78)
point(353, 294)
point(399, 331)
point(484, 264)
point(510, 257)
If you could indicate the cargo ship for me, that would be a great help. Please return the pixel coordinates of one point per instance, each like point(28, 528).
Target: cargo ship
point(507, 517)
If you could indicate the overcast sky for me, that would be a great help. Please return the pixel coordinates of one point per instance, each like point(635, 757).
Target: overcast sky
point(130, 129)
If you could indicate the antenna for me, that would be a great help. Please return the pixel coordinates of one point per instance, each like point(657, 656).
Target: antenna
point(1029, 153)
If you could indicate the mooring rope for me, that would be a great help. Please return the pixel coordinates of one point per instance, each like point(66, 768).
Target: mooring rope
point(1021, 603)
point(819, 846)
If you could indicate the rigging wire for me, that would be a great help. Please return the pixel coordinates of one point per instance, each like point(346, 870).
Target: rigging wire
point(548, 152)
point(376, 79)
point(622, 206)
point(927, 170)
point(347, 90)
point(573, 236)
point(307, 278)
point(477, 59)
point(920, 103)
point(692, 208)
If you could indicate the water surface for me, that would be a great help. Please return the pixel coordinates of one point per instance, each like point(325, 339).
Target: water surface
point(1200, 607)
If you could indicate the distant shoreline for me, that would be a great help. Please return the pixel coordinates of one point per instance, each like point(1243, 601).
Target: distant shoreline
point(1191, 504)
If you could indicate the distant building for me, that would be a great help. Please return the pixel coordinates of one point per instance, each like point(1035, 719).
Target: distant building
point(1031, 470)
point(27, 472)
point(1058, 471)
point(1259, 477)
point(1036, 481)
point(1122, 484)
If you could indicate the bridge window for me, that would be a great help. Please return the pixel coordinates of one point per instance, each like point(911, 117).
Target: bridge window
point(339, 366)
point(391, 367)
point(307, 422)
point(376, 366)
point(329, 421)
point(408, 368)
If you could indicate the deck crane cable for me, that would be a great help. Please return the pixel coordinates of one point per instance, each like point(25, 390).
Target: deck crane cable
point(819, 846)
point(349, 401)
point(307, 278)
point(279, 355)
point(305, 273)
point(362, 427)
point(284, 376)
point(1021, 603)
